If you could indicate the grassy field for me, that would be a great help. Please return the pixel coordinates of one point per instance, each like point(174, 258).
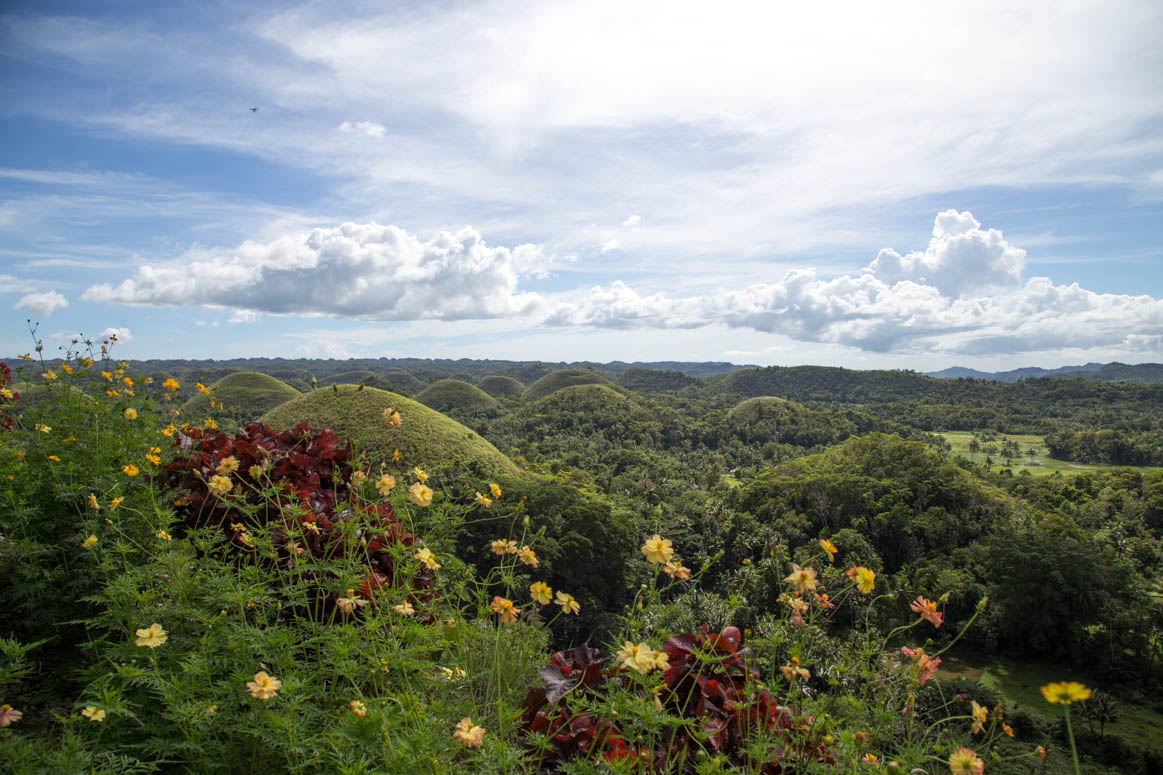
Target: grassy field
point(1040, 464)
point(1020, 683)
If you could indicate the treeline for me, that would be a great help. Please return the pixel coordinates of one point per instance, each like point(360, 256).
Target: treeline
point(1107, 447)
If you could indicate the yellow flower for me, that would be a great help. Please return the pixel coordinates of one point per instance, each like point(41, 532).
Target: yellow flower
point(219, 485)
point(93, 504)
point(638, 657)
point(49, 375)
point(68, 439)
point(980, 715)
point(385, 485)
point(540, 592)
point(169, 430)
point(567, 603)
point(112, 393)
point(128, 382)
point(350, 602)
point(528, 557)
point(482, 500)
point(131, 470)
point(469, 734)
point(404, 609)
point(803, 579)
point(227, 465)
point(108, 377)
point(202, 388)
point(66, 368)
point(209, 423)
point(54, 458)
point(425, 555)
point(829, 548)
point(418, 472)
point(793, 670)
point(964, 761)
point(451, 674)
point(6, 393)
point(44, 428)
point(171, 384)
point(1065, 693)
point(162, 535)
point(256, 471)
point(89, 542)
point(358, 709)
point(93, 714)
point(505, 608)
point(420, 494)
point(113, 504)
point(86, 362)
point(396, 456)
point(155, 459)
point(263, 687)
point(392, 417)
point(151, 637)
point(863, 578)
point(658, 550)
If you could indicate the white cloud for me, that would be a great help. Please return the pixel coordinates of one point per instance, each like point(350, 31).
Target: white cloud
point(609, 246)
point(123, 335)
point(369, 128)
point(632, 222)
point(363, 271)
point(244, 316)
point(42, 304)
point(932, 300)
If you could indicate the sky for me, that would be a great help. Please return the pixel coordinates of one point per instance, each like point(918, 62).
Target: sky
point(871, 185)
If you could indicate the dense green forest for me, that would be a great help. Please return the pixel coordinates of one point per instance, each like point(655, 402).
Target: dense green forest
point(746, 471)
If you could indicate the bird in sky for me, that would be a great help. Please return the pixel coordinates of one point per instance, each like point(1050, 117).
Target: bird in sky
point(254, 110)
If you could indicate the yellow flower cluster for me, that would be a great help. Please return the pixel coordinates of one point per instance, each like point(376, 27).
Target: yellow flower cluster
point(642, 658)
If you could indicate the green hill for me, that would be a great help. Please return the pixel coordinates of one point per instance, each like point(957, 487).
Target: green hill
point(403, 383)
point(425, 437)
point(244, 396)
point(455, 394)
point(765, 408)
point(497, 386)
point(562, 378)
point(361, 377)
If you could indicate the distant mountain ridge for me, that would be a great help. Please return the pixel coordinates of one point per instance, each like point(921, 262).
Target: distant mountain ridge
point(1109, 372)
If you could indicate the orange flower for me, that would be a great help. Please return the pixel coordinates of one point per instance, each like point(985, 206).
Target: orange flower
point(527, 556)
point(420, 494)
point(469, 734)
point(130, 470)
point(505, 608)
point(392, 417)
point(802, 579)
point(927, 609)
point(263, 687)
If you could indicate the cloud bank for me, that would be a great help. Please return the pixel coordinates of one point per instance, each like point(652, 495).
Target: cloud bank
point(364, 271)
point(963, 293)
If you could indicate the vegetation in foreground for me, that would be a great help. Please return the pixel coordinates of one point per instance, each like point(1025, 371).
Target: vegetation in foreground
point(184, 599)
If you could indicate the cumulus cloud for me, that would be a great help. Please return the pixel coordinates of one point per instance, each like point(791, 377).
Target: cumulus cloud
point(42, 304)
point(632, 222)
point(609, 246)
point(365, 271)
point(963, 293)
point(369, 128)
point(123, 335)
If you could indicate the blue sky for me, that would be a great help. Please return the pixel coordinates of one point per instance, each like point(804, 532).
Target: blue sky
point(907, 185)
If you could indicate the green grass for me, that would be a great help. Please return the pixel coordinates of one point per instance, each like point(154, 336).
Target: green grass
point(1041, 464)
point(1020, 682)
point(244, 395)
point(496, 385)
point(563, 378)
point(425, 438)
point(455, 394)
